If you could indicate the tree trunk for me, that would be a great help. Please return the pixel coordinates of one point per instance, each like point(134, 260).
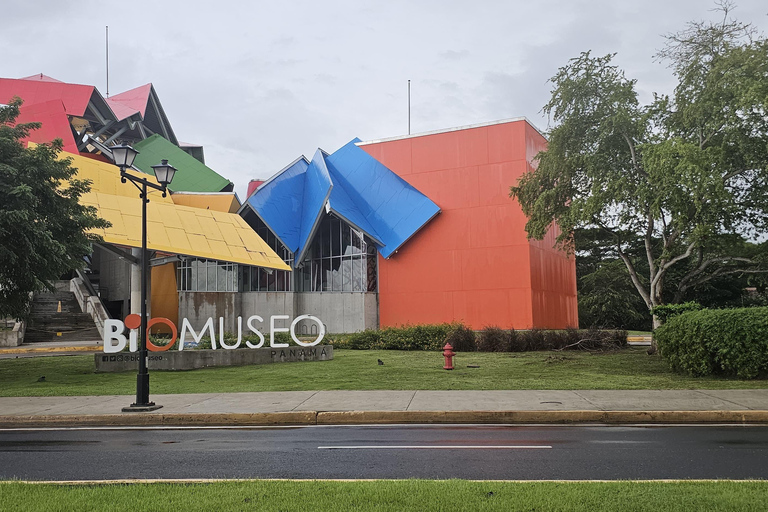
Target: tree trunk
point(656, 324)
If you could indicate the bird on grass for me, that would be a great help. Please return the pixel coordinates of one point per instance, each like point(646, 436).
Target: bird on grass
point(41, 379)
point(381, 363)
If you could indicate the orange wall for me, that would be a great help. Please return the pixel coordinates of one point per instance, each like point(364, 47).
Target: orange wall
point(473, 262)
point(553, 273)
point(164, 296)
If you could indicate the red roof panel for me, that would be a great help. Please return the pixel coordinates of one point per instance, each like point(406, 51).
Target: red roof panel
point(121, 109)
point(54, 123)
point(75, 97)
point(41, 78)
point(136, 99)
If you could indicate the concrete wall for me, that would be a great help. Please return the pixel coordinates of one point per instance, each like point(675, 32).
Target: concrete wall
point(114, 277)
point(268, 304)
point(198, 307)
point(340, 312)
point(14, 336)
point(192, 359)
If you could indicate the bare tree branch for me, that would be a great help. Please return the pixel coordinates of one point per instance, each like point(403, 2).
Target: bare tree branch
point(635, 280)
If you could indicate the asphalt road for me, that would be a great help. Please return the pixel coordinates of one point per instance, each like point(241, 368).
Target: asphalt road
point(418, 451)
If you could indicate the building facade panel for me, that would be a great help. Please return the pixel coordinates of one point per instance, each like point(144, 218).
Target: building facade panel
point(506, 308)
point(164, 297)
point(432, 307)
point(473, 262)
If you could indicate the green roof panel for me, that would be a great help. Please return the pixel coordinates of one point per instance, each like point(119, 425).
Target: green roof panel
point(192, 175)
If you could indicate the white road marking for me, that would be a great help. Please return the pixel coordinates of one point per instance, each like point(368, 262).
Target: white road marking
point(433, 447)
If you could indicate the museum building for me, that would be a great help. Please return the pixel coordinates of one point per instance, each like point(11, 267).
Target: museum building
point(408, 230)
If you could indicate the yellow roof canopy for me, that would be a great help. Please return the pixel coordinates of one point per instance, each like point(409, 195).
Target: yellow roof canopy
point(171, 228)
point(219, 201)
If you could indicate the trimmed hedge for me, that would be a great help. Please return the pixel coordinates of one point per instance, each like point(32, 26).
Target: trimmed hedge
point(490, 339)
point(667, 311)
point(729, 342)
point(419, 337)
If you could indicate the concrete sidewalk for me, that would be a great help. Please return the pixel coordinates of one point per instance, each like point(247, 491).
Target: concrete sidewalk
point(372, 407)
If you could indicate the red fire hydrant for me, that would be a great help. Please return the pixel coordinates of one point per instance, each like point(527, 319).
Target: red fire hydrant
point(448, 353)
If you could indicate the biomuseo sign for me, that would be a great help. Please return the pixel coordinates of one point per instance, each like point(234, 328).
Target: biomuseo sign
point(115, 341)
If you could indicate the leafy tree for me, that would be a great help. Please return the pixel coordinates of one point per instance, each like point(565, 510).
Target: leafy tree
point(43, 227)
point(675, 175)
point(607, 297)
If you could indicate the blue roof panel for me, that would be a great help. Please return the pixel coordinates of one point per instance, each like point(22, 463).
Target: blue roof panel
point(317, 190)
point(394, 208)
point(355, 186)
point(279, 203)
point(343, 205)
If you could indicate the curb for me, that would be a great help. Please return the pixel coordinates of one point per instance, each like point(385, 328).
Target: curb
point(153, 419)
point(94, 348)
point(384, 418)
point(552, 417)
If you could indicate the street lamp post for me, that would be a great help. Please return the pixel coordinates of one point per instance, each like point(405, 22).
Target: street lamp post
point(164, 172)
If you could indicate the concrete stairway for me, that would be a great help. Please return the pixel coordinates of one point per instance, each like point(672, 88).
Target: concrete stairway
point(46, 321)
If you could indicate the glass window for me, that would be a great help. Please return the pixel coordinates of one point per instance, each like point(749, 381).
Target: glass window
point(335, 229)
point(325, 239)
point(371, 273)
point(244, 279)
point(202, 275)
point(255, 279)
point(346, 274)
point(339, 259)
point(325, 278)
point(346, 240)
point(357, 242)
point(260, 279)
point(192, 275)
point(221, 277)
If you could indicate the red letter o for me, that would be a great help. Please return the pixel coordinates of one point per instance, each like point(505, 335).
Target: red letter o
point(151, 346)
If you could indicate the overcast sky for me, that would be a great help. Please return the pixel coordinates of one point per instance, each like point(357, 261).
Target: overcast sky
point(259, 83)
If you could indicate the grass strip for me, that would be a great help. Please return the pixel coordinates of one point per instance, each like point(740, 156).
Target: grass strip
point(389, 495)
point(358, 370)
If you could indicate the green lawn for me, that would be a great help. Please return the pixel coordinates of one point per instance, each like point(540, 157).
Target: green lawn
point(357, 369)
point(389, 495)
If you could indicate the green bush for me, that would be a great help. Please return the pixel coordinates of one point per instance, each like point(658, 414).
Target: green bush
point(490, 339)
point(363, 340)
point(493, 339)
point(667, 311)
point(338, 340)
point(418, 337)
point(730, 342)
point(462, 339)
